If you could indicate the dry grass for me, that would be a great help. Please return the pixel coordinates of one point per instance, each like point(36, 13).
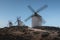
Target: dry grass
point(22, 33)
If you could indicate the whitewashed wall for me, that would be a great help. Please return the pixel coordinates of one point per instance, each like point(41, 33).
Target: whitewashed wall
point(36, 21)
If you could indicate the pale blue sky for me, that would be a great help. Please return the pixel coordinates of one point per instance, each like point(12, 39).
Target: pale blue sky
point(10, 9)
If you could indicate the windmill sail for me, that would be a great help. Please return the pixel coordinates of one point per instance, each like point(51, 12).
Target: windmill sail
point(37, 20)
point(31, 8)
point(41, 8)
point(28, 18)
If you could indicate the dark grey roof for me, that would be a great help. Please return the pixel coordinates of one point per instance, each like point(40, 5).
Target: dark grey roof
point(35, 14)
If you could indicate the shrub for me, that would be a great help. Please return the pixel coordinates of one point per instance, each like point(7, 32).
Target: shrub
point(45, 34)
point(37, 32)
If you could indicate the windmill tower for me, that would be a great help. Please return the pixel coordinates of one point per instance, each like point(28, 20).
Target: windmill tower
point(37, 20)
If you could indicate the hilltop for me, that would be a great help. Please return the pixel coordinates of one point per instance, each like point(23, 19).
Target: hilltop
point(26, 33)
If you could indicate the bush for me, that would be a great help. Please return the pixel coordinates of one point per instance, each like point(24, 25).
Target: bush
point(37, 32)
point(45, 34)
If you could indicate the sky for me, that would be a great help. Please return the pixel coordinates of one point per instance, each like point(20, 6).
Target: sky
point(10, 9)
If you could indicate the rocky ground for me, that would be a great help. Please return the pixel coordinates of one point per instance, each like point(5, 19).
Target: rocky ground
point(25, 33)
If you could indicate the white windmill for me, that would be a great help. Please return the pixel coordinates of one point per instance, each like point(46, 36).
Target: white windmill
point(19, 22)
point(10, 24)
point(37, 19)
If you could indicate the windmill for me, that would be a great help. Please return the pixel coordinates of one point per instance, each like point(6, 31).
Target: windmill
point(19, 22)
point(37, 20)
point(10, 24)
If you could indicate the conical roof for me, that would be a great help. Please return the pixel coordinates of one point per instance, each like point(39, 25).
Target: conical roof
point(35, 14)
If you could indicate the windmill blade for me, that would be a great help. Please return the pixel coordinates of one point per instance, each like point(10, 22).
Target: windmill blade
point(42, 8)
point(15, 22)
point(31, 8)
point(28, 18)
point(18, 18)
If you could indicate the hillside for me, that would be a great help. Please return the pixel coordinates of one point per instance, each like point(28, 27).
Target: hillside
point(26, 33)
